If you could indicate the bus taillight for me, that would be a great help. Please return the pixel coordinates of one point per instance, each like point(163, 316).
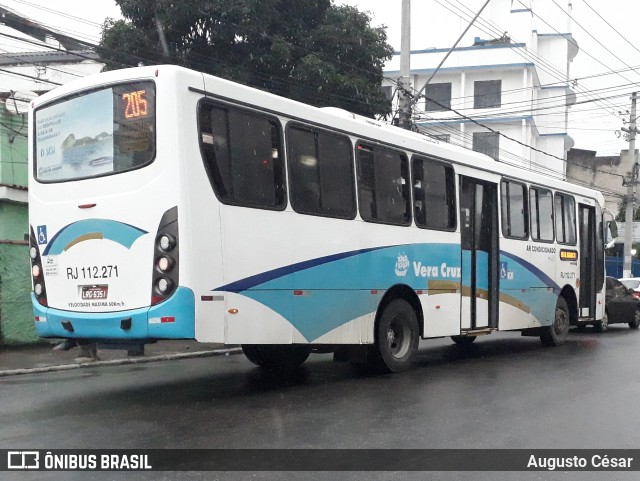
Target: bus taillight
point(37, 275)
point(165, 258)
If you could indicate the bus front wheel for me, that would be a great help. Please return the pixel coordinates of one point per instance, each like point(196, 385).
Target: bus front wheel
point(397, 337)
point(276, 356)
point(556, 334)
point(603, 324)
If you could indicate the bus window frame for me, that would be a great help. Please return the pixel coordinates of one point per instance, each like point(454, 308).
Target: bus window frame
point(258, 113)
point(575, 217)
point(425, 157)
point(403, 156)
point(82, 93)
point(553, 216)
point(292, 124)
point(527, 214)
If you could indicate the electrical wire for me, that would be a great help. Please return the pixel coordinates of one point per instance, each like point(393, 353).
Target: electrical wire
point(612, 27)
point(541, 63)
point(502, 134)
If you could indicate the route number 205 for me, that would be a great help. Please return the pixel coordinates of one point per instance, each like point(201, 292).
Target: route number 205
point(135, 104)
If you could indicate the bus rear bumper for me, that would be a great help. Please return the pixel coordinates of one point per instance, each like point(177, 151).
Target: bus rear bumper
point(172, 319)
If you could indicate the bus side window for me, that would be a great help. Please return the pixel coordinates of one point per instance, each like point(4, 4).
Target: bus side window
point(541, 209)
point(321, 173)
point(515, 214)
point(434, 205)
point(383, 186)
point(303, 171)
point(565, 212)
point(241, 152)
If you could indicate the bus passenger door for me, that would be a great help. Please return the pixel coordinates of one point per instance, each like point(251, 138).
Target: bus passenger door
point(480, 255)
point(587, 257)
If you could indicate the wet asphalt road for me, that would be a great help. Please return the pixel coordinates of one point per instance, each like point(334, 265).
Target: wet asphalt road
point(504, 391)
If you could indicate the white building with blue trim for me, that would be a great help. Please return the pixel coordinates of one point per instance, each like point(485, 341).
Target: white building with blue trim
point(507, 97)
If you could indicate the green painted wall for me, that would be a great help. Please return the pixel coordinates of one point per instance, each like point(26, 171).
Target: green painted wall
point(16, 315)
point(13, 149)
point(14, 221)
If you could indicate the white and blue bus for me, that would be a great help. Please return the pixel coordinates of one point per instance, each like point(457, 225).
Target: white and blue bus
point(169, 204)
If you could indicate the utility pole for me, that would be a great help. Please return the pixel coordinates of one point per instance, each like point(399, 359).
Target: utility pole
point(631, 182)
point(404, 83)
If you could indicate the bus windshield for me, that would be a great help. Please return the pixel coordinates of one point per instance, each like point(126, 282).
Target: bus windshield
point(95, 133)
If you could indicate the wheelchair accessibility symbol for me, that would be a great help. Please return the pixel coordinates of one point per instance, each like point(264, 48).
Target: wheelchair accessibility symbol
point(42, 234)
point(505, 273)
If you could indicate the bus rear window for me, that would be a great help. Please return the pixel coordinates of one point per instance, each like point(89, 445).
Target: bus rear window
point(242, 154)
point(95, 133)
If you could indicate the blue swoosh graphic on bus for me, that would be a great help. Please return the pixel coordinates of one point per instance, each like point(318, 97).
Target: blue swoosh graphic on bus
point(89, 229)
point(339, 288)
point(534, 270)
point(264, 277)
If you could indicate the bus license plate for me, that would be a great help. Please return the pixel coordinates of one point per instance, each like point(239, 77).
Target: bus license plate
point(95, 292)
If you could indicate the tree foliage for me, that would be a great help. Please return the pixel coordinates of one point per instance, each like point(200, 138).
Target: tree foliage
point(621, 215)
point(307, 50)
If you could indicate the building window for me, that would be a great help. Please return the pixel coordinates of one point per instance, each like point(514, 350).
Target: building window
point(434, 194)
point(487, 94)
point(321, 173)
point(541, 208)
point(383, 185)
point(515, 219)
point(565, 207)
point(487, 143)
point(438, 97)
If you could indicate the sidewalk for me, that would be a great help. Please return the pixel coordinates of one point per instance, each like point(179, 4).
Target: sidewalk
point(28, 359)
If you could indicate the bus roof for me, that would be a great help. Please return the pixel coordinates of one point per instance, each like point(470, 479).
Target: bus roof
point(328, 117)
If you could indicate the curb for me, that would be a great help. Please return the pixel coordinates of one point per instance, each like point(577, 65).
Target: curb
point(122, 362)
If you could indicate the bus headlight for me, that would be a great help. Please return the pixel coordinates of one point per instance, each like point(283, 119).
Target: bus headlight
point(166, 242)
point(35, 271)
point(165, 263)
point(37, 277)
point(166, 258)
point(164, 285)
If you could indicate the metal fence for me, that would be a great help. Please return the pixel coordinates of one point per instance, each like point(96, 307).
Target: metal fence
point(614, 267)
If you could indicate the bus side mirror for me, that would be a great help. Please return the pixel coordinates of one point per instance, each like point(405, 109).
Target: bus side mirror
point(612, 230)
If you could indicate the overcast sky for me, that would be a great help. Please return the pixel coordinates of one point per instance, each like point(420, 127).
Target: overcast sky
point(435, 26)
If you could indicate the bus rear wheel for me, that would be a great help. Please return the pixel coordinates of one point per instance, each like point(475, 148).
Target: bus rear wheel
point(556, 334)
point(397, 337)
point(276, 356)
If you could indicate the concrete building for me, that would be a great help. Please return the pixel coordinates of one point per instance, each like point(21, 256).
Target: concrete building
point(505, 95)
point(39, 60)
point(604, 173)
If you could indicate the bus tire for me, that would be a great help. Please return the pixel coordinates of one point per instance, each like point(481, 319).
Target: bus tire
point(556, 334)
point(397, 337)
point(636, 320)
point(603, 324)
point(463, 340)
point(276, 356)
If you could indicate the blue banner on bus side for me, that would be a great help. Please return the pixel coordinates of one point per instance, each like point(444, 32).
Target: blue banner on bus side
point(340, 284)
